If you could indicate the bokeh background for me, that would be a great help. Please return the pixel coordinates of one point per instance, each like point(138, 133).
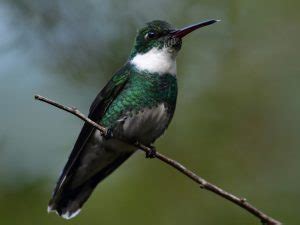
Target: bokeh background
point(236, 124)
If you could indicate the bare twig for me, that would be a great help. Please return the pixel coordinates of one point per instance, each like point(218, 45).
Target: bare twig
point(242, 202)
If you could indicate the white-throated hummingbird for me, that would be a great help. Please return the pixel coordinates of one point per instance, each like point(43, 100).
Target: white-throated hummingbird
point(136, 105)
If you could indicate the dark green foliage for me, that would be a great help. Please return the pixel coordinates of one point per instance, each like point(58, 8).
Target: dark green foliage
point(236, 122)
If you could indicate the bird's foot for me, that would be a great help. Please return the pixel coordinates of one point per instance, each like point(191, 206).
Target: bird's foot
point(151, 153)
point(108, 134)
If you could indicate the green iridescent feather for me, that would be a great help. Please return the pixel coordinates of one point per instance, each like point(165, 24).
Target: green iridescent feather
point(142, 90)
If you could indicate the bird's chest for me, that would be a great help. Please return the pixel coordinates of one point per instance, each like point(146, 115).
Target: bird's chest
point(145, 125)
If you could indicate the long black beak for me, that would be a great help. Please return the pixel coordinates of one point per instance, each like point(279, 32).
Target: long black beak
point(186, 30)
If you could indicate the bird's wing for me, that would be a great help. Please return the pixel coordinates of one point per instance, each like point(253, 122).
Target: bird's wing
point(97, 110)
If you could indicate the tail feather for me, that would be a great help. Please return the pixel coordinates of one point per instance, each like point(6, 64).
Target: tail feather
point(67, 201)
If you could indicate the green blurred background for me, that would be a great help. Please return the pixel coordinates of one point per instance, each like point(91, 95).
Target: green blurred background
point(236, 124)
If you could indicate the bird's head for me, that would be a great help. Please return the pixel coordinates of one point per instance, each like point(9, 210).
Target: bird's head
point(159, 42)
point(156, 34)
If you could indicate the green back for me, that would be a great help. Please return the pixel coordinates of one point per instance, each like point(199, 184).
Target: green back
point(142, 90)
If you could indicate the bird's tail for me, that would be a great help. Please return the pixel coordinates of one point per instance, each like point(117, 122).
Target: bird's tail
point(67, 200)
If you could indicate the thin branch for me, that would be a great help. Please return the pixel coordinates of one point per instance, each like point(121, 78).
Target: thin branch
point(204, 184)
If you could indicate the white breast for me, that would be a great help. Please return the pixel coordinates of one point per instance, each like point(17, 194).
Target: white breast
point(156, 60)
point(147, 125)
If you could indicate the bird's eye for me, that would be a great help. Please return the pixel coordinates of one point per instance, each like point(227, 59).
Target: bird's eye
point(150, 35)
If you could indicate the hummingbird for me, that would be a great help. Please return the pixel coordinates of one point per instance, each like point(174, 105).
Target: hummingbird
point(136, 106)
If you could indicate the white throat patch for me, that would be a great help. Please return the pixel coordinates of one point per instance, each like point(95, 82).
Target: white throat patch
point(156, 61)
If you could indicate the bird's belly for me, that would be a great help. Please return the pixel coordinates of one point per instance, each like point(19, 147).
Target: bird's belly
point(146, 125)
